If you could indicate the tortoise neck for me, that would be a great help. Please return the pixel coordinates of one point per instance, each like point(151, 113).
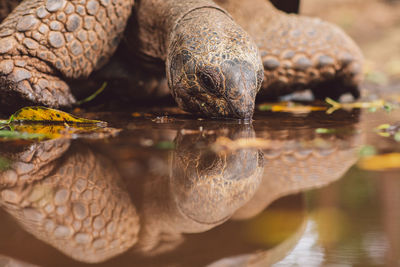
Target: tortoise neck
point(156, 21)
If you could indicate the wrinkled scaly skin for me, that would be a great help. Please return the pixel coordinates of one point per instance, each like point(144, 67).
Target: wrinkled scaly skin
point(45, 42)
point(213, 66)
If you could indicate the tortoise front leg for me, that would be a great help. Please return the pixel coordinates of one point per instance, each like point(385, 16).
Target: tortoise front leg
point(43, 42)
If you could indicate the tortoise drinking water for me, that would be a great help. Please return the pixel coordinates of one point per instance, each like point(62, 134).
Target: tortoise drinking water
point(217, 55)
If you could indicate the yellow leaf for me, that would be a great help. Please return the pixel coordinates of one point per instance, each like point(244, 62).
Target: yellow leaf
point(380, 162)
point(336, 105)
point(384, 134)
point(383, 126)
point(289, 107)
point(48, 115)
point(52, 131)
point(38, 123)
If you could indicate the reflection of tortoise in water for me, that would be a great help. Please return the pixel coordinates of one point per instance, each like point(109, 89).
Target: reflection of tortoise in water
point(213, 66)
point(95, 200)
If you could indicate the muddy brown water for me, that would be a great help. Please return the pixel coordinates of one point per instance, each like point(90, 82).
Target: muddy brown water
point(174, 191)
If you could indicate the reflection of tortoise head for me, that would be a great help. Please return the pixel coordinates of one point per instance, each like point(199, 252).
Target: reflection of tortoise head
point(209, 186)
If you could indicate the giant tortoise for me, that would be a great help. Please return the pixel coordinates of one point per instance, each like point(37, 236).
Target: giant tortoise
point(217, 54)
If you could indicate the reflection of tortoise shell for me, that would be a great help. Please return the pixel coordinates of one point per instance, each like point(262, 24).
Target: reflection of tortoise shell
point(213, 65)
point(75, 203)
point(71, 197)
point(307, 162)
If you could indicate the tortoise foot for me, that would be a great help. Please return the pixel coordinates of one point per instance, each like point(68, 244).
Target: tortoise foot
point(26, 80)
point(43, 42)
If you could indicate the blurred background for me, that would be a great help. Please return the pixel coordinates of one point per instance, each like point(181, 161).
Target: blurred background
point(374, 25)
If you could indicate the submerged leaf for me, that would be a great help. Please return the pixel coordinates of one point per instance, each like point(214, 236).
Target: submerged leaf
point(48, 115)
point(380, 162)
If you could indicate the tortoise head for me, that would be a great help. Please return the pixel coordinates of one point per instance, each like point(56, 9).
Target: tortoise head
point(214, 69)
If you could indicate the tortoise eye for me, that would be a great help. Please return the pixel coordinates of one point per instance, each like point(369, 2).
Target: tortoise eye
point(209, 82)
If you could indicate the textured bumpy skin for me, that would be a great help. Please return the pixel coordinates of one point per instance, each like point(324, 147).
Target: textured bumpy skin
point(299, 52)
point(213, 66)
point(44, 42)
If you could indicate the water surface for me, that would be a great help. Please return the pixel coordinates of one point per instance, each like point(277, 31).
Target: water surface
point(173, 190)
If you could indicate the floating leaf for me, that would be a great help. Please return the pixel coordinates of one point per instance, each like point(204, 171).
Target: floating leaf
point(380, 162)
point(387, 130)
point(368, 105)
point(31, 123)
point(48, 115)
point(289, 107)
point(384, 134)
point(324, 130)
point(265, 107)
point(383, 126)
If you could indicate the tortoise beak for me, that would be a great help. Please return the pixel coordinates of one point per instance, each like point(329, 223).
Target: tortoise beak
point(241, 87)
point(242, 108)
